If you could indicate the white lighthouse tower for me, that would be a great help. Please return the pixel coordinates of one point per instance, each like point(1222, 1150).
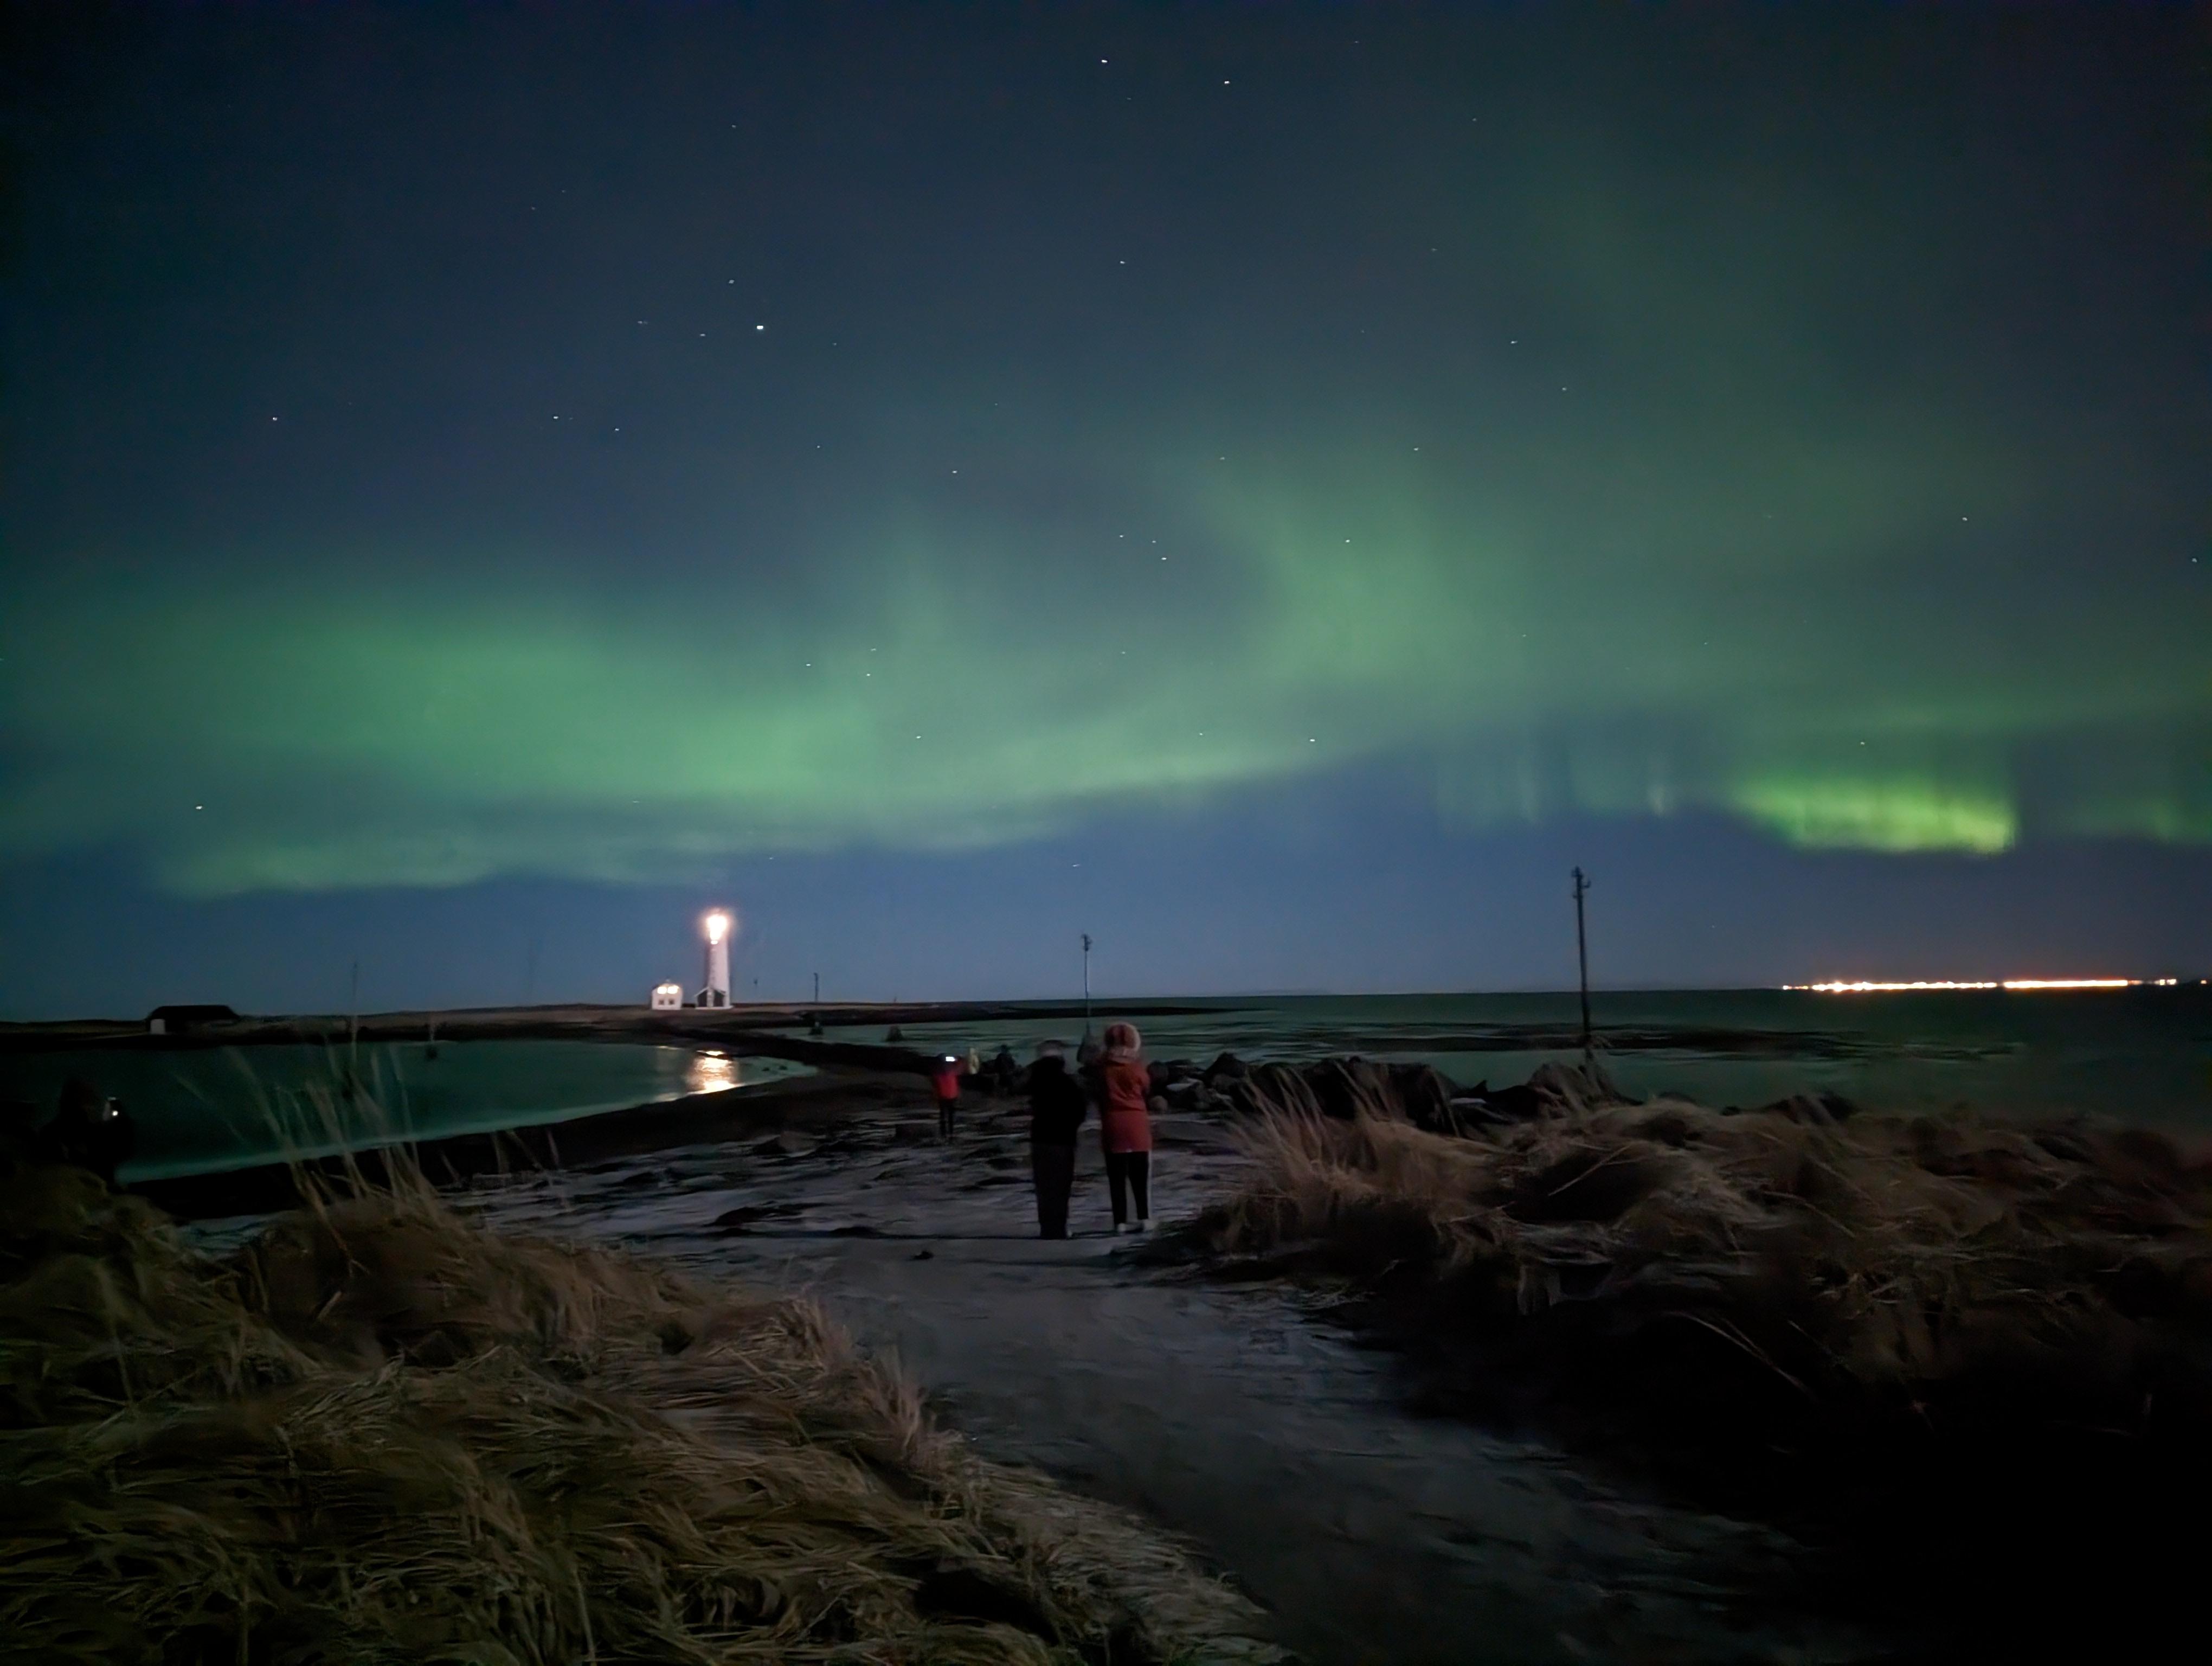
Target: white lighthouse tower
point(717, 990)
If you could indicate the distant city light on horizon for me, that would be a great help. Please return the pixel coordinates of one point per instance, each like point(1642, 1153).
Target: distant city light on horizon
point(1869, 988)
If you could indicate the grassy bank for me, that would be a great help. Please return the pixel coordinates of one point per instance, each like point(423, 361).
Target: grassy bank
point(1978, 1357)
point(381, 1432)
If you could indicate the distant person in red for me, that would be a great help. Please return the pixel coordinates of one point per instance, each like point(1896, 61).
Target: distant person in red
point(946, 1079)
point(1125, 1125)
point(1058, 1105)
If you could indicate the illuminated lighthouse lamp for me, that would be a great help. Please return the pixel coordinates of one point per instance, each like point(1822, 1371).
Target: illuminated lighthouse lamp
point(716, 992)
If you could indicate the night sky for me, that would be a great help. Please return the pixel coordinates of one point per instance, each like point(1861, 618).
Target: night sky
point(1272, 486)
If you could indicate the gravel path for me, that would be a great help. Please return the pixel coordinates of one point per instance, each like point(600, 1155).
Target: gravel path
point(1229, 1415)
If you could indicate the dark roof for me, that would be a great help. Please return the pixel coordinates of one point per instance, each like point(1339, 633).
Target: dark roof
point(206, 1013)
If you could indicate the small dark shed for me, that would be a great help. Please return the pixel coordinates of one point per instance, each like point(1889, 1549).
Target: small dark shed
point(167, 1020)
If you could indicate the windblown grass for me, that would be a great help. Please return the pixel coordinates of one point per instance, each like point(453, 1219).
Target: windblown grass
point(381, 1432)
point(1933, 1331)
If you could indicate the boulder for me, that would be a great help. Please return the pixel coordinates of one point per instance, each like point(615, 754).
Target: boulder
point(1226, 1068)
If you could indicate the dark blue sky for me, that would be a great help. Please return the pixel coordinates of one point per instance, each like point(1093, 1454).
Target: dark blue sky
point(1273, 486)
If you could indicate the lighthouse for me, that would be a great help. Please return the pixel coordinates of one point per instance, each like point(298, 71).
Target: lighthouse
point(716, 992)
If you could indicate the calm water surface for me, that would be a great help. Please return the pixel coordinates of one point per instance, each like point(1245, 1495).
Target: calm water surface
point(199, 1108)
point(2142, 1054)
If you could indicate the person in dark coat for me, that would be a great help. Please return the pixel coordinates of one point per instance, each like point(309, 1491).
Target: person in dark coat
point(1058, 1105)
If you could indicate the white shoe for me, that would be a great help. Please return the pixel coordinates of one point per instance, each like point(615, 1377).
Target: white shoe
point(1142, 1226)
point(1119, 1229)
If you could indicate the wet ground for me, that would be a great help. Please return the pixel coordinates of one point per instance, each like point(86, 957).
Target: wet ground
point(1232, 1415)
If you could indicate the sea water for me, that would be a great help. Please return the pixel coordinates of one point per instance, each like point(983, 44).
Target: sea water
point(197, 1108)
point(2141, 1055)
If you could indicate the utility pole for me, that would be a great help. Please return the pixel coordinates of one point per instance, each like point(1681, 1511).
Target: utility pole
point(1582, 959)
point(1086, 986)
point(817, 988)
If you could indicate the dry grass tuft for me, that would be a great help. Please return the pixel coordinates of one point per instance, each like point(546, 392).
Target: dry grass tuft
point(1940, 1330)
point(381, 1432)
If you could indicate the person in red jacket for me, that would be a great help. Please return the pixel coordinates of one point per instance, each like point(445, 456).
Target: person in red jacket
point(1125, 1125)
point(946, 1079)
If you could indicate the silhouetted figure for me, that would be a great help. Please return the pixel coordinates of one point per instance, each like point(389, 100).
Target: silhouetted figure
point(1058, 1105)
point(1125, 1125)
point(89, 1131)
point(1004, 1070)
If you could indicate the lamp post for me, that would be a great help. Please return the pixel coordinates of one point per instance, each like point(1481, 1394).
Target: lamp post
point(1582, 962)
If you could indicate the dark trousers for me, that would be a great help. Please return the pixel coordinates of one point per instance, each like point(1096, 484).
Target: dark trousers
point(1055, 1167)
point(1130, 1172)
point(945, 1108)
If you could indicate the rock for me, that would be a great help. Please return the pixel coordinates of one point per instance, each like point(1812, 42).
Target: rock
point(1226, 1068)
point(924, 1254)
point(1343, 1087)
point(1425, 1094)
point(856, 1232)
point(744, 1218)
point(1517, 1103)
point(1263, 1084)
point(785, 1142)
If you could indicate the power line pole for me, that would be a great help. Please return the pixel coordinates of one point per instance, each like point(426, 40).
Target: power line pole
point(1582, 959)
point(1086, 986)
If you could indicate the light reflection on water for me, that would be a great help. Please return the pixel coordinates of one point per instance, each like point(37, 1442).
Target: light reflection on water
point(711, 1072)
point(203, 1108)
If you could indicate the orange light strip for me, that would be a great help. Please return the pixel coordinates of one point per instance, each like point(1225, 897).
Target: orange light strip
point(1873, 988)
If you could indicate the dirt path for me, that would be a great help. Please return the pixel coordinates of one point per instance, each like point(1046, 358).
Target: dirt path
point(1227, 1414)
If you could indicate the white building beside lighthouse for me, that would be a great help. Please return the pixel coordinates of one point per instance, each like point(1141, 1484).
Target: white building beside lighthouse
point(716, 990)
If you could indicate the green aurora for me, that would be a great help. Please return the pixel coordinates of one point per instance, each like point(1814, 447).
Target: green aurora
point(1594, 461)
point(346, 733)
